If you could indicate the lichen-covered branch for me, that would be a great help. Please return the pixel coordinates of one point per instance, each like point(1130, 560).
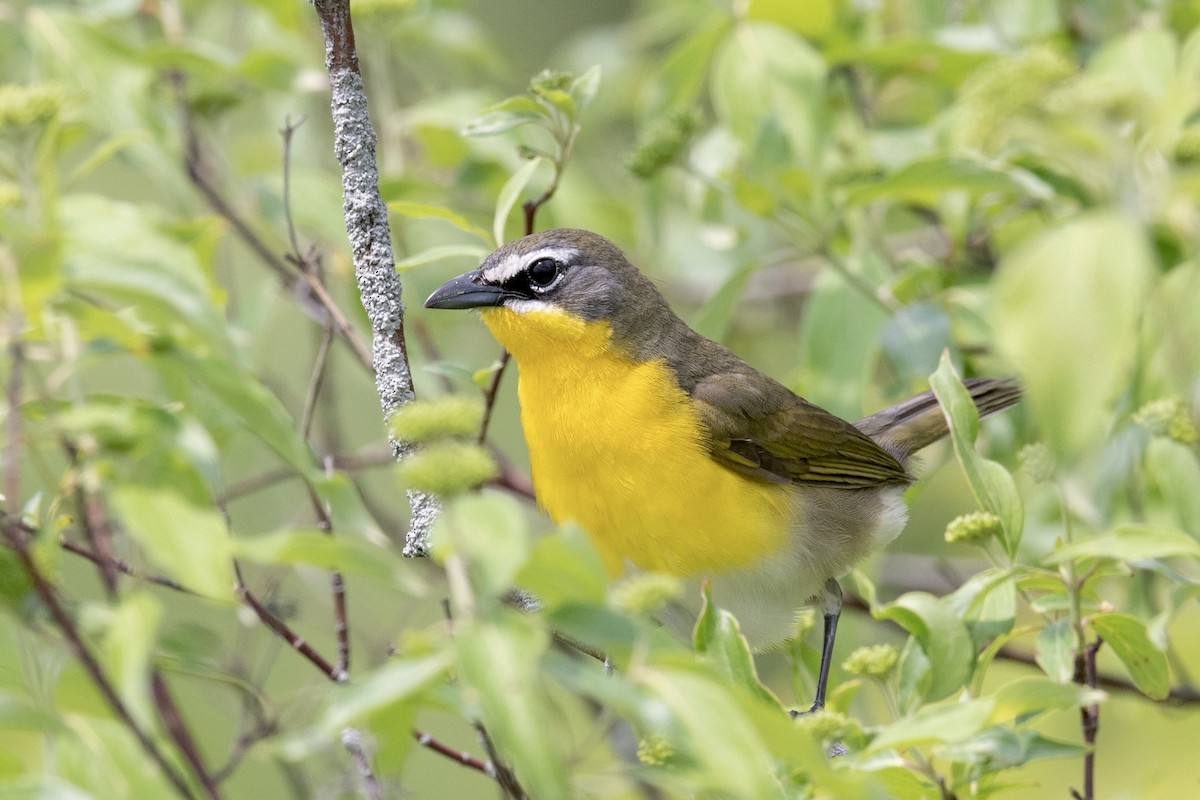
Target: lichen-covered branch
point(370, 239)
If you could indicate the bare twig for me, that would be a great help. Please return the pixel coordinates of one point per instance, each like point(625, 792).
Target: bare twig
point(122, 566)
point(489, 396)
point(352, 741)
point(287, 132)
point(368, 458)
point(198, 174)
point(460, 756)
point(503, 774)
point(316, 381)
point(281, 628)
point(1085, 675)
point(172, 720)
point(66, 625)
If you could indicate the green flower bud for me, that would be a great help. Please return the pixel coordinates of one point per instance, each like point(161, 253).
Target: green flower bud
point(549, 80)
point(1170, 417)
point(832, 726)
point(22, 105)
point(447, 468)
point(1038, 462)
point(452, 416)
point(646, 592)
point(974, 528)
point(1187, 149)
point(662, 141)
point(875, 661)
point(1007, 89)
point(655, 751)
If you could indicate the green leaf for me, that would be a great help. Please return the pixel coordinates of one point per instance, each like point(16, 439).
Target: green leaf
point(509, 194)
point(1035, 695)
point(188, 543)
point(714, 317)
point(585, 87)
point(1127, 637)
point(1056, 650)
point(940, 722)
point(924, 182)
point(42, 787)
point(415, 210)
point(19, 714)
point(987, 603)
point(487, 529)
point(719, 638)
point(729, 755)
point(942, 636)
point(349, 554)
point(395, 682)
point(1068, 308)
point(122, 252)
point(992, 485)
point(259, 410)
point(766, 75)
point(1172, 467)
point(564, 568)
point(1130, 543)
point(128, 645)
point(506, 115)
point(439, 253)
point(498, 660)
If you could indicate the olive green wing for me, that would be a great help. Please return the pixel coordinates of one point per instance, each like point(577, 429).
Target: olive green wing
point(761, 429)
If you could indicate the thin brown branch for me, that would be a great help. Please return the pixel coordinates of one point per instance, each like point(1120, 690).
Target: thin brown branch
point(287, 132)
point(198, 173)
point(122, 566)
point(368, 458)
point(503, 774)
point(352, 741)
point(316, 381)
point(93, 520)
point(18, 541)
point(281, 629)
point(1089, 715)
point(489, 396)
point(241, 745)
point(466, 759)
point(172, 720)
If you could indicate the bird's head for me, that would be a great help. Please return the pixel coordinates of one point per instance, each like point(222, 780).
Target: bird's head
point(557, 285)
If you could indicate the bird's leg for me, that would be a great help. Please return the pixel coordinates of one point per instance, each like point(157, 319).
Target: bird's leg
point(831, 599)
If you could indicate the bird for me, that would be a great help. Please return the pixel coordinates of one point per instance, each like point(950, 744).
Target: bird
point(675, 455)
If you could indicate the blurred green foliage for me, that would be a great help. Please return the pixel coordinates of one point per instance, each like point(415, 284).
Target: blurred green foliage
point(854, 196)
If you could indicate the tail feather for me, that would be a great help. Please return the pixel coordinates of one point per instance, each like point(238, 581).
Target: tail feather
point(918, 422)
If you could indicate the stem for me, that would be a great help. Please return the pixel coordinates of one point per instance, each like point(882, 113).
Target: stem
point(62, 620)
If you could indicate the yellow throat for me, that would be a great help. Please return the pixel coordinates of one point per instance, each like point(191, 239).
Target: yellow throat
point(615, 446)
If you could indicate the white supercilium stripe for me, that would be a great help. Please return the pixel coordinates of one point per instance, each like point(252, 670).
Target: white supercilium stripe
point(516, 263)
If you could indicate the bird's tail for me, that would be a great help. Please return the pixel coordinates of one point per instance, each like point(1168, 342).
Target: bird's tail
point(918, 422)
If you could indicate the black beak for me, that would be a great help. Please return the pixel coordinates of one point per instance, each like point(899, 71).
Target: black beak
point(465, 291)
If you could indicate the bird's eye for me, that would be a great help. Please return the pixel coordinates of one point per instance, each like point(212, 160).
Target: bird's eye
point(544, 273)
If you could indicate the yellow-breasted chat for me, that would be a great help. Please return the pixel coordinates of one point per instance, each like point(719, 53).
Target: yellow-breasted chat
point(677, 456)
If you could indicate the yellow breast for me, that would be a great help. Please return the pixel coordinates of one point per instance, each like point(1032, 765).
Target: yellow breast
point(615, 446)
